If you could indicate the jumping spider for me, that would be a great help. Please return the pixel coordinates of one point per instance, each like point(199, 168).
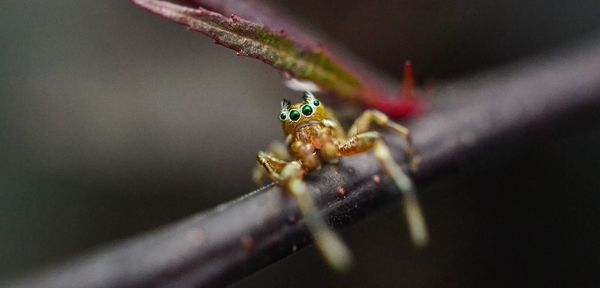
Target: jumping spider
point(315, 137)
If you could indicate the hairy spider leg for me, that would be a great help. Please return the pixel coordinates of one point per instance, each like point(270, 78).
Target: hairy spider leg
point(290, 176)
point(277, 151)
point(271, 164)
point(364, 121)
point(372, 141)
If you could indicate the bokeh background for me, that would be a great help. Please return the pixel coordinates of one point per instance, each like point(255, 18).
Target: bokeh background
point(114, 122)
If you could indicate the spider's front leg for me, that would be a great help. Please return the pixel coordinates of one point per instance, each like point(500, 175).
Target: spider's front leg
point(276, 157)
point(289, 175)
point(363, 124)
point(372, 141)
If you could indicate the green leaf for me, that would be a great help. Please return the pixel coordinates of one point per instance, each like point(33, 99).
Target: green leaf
point(257, 41)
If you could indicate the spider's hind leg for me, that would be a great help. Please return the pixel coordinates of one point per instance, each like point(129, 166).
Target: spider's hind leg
point(372, 141)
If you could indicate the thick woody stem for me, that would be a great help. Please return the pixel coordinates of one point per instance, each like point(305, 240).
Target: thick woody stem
point(242, 236)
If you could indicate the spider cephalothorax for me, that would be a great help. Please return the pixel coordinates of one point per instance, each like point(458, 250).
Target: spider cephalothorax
point(295, 115)
point(314, 137)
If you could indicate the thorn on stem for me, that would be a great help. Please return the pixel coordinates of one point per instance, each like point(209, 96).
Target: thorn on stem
point(342, 192)
point(377, 179)
point(248, 242)
point(319, 48)
point(408, 89)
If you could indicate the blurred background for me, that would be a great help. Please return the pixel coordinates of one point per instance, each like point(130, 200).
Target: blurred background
point(114, 122)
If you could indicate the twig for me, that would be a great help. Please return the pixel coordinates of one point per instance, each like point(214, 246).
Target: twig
point(237, 238)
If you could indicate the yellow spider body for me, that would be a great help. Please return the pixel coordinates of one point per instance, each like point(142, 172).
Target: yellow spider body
point(314, 137)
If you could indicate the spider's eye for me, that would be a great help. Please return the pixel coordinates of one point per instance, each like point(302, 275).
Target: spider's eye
point(316, 103)
point(307, 110)
point(294, 115)
point(282, 116)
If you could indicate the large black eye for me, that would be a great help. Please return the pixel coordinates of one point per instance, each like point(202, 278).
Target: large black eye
point(282, 116)
point(294, 115)
point(307, 110)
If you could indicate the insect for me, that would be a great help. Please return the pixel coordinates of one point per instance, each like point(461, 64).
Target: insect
point(314, 137)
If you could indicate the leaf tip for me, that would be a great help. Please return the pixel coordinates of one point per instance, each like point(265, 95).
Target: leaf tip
point(397, 108)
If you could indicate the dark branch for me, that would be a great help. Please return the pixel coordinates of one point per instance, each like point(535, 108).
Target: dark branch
point(242, 236)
